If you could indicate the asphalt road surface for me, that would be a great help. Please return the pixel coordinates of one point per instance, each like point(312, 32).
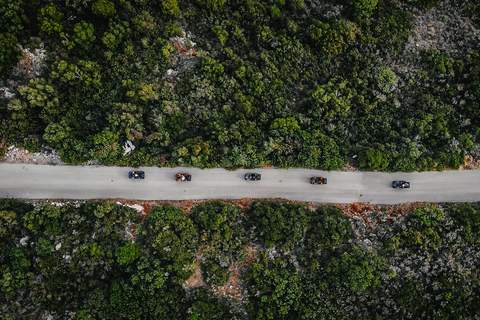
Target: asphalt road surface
point(30, 181)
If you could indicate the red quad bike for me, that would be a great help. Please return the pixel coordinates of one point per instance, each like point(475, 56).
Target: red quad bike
point(318, 180)
point(183, 177)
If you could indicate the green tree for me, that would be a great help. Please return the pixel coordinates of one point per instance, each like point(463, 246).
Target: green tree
point(214, 272)
point(288, 125)
point(213, 69)
point(42, 96)
point(12, 21)
point(392, 28)
point(144, 22)
point(421, 229)
point(364, 8)
point(125, 118)
point(194, 152)
point(15, 276)
point(275, 224)
point(170, 7)
point(334, 37)
point(373, 158)
point(213, 5)
point(356, 268)
point(126, 303)
point(204, 305)
point(321, 151)
point(9, 53)
point(85, 74)
point(221, 239)
point(8, 222)
point(50, 20)
point(103, 8)
point(467, 216)
point(330, 101)
point(172, 239)
point(408, 296)
point(283, 141)
point(327, 228)
point(127, 253)
point(221, 33)
point(84, 34)
point(43, 247)
point(116, 34)
point(46, 218)
point(274, 286)
point(386, 80)
point(106, 147)
point(55, 134)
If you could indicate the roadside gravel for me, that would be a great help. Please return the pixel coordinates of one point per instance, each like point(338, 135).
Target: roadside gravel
point(20, 155)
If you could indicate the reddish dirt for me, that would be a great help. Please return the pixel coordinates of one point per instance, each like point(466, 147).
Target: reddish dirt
point(137, 134)
point(403, 209)
point(196, 279)
point(162, 160)
point(358, 209)
point(232, 287)
point(471, 163)
point(349, 167)
point(182, 49)
point(148, 206)
point(390, 212)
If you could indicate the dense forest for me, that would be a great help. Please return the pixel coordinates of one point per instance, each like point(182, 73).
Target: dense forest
point(378, 84)
point(102, 260)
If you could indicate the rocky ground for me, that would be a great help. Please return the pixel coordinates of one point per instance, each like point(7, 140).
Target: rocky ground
point(442, 28)
point(20, 155)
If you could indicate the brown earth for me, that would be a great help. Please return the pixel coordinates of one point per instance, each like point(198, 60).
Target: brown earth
point(233, 288)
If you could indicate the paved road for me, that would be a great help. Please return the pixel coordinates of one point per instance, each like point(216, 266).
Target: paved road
point(30, 181)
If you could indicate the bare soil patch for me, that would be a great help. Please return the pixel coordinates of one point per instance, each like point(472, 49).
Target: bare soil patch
point(471, 163)
point(196, 279)
point(233, 287)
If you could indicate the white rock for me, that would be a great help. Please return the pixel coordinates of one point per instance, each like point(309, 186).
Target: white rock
point(137, 207)
point(23, 241)
point(6, 93)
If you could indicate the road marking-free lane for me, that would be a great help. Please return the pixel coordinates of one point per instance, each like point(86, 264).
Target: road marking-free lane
point(30, 181)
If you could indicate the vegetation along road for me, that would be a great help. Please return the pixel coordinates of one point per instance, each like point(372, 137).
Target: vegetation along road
point(29, 181)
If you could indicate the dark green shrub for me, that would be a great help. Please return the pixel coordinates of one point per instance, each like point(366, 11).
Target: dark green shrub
point(277, 225)
point(327, 228)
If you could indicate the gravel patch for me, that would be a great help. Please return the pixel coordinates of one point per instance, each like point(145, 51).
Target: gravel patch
point(20, 155)
point(443, 28)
